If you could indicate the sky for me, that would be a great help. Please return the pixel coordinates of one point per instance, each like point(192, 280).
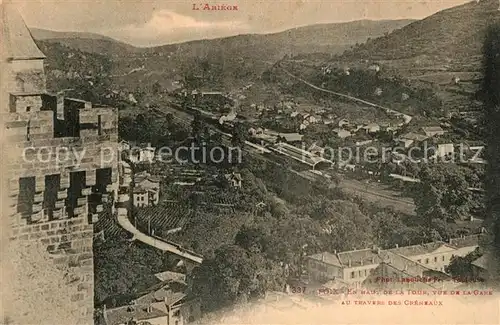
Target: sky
point(156, 22)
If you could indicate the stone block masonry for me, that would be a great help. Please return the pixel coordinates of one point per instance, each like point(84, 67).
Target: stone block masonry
point(53, 194)
point(56, 184)
point(59, 161)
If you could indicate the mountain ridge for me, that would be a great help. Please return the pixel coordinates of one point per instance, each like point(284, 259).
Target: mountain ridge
point(362, 29)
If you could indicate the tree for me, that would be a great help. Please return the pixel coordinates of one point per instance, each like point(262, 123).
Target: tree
point(345, 226)
point(197, 127)
point(156, 88)
point(252, 239)
point(232, 274)
point(239, 136)
point(135, 266)
point(491, 125)
point(388, 228)
point(169, 119)
point(462, 269)
point(443, 193)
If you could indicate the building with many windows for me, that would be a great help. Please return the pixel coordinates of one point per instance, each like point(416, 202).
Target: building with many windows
point(354, 267)
point(164, 303)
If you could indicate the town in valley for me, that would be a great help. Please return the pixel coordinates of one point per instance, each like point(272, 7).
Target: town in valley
point(333, 164)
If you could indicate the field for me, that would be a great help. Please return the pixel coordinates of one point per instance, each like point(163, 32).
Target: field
point(107, 223)
point(163, 217)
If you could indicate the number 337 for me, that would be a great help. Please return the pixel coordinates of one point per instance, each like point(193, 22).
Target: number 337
point(298, 289)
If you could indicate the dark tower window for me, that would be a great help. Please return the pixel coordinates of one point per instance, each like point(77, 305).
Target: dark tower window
point(26, 196)
point(76, 184)
point(99, 125)
point(52, 183)
point(28, 130)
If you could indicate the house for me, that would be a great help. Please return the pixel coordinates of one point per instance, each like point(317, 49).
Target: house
point(355, 266)
point(410, 138)
point(142, 153)
point(480, 267)
point(399, 272)
point(432, 131)
point(317, 150)
point(164, 303)
point(123, 146)
point(343, 122)
point(227, 118)
point(146, 190)
point(363, 142)
point(132, 99)
point(341, 133)
point(372, 128)
point(352, 266)
point(310, 119)
point(171, 276)
point(234, 179)
point(436, 255)
point(147, 154)
point(319, 110)
point(445, 149)
point(374, 67)
point(294, 114)
point(291, 137)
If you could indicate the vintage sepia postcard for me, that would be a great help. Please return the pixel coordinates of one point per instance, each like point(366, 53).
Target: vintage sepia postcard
point(175, 162)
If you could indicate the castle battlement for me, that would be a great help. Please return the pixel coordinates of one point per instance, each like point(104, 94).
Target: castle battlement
point(61, 162)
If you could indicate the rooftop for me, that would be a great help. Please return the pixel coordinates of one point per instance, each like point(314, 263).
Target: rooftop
point(170, 292)
point(432, 129)
point(419, 249)
point(373, 255)
point(171, 276)
point(16, 37)
point(143, 176)
point(327, 258)
point(413, 136)
point(466, 241)
point(481, 262)
point(122, 315)
point(359, 257)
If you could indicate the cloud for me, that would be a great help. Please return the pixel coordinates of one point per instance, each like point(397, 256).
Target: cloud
point(167, 26)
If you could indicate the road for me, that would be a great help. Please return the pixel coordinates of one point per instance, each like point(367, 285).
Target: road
point(367, 191)
point(406, 117)
point(372, 193)
point(125, 223)
point(123, 220)
point(376, 195)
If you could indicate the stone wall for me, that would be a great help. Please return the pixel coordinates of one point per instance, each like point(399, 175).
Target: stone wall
point(69, 243)
point(64, 225)
point(25, 76)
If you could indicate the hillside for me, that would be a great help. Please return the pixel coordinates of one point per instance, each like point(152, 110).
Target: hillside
point(222, 63)
point(85, 42)
point(438, 58)
point(317, 38)
point(325, 38)
point(449, 39)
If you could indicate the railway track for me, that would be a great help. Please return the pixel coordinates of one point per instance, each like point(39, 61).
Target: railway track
point(372, 195)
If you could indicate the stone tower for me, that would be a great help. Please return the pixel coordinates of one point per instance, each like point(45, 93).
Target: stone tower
point(60, 166)
point(25, 60)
